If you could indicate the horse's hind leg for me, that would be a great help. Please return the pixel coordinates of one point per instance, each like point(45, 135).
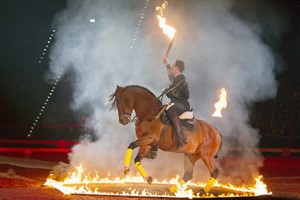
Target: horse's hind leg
point(189, 162)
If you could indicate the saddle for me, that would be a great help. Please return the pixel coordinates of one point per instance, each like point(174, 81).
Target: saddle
point(187, 118)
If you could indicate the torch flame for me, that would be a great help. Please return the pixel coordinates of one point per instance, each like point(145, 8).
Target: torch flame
point(221, 104)
point(167, 29)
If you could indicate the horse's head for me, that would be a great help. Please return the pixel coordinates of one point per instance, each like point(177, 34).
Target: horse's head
point(137, 98)
point(124, 104)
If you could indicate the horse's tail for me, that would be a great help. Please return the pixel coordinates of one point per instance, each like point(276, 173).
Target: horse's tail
point(219, 149)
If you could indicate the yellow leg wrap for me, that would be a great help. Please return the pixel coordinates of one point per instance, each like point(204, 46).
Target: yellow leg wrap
point(209, 184)
point(174, 188)
point(127, 157)
point(140, 168)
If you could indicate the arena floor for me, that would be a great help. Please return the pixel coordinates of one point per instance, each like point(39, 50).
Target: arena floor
point(24, 178)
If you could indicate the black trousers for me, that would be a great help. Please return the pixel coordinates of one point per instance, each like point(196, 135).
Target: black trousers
point(178, 108)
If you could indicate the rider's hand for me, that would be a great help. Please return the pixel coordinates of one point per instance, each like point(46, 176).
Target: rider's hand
point(165, 60)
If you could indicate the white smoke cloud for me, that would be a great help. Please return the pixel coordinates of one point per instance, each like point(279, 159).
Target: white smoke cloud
point(220, 50)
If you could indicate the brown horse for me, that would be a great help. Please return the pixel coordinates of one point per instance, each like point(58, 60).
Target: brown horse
point(204, 141)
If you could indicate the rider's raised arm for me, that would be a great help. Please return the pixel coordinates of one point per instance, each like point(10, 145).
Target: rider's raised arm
point(168, 66)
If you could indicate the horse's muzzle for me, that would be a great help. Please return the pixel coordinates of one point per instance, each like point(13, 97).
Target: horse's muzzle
point(125, 119)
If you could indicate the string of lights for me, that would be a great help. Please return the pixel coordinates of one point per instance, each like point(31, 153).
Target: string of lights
point(45, 103)
point(141, 19)
point(38, 117)
point(46, 46)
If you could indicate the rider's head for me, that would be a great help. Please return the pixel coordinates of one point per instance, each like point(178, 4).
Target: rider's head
point(180, 65)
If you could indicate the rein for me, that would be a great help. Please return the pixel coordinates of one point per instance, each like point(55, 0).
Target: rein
point(167, 91)
point(137, 118)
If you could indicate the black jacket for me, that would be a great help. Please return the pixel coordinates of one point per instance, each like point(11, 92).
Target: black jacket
point(178, 89)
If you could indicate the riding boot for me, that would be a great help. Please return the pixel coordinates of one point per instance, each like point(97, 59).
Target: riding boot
point(176, 122)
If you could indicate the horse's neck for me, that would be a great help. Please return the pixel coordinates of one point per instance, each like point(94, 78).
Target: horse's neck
point(145, 110)
point(146, 107)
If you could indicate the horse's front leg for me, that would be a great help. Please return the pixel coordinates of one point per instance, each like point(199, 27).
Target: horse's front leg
point(137, 162)
point(128, 156)
point(144, 144)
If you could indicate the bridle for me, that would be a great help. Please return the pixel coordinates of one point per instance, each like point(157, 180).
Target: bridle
point(125, 114)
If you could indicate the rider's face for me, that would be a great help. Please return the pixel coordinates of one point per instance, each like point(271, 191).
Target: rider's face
point(174, 69)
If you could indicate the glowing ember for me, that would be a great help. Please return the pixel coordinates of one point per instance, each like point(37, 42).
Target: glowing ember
point(167, 29)
point(221, 104)
point(78, 183)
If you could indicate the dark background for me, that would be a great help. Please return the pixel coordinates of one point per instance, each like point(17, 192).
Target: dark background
point(26, 26)
point(279, 119)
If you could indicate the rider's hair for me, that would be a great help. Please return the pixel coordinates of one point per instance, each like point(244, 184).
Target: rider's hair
point(180, 65)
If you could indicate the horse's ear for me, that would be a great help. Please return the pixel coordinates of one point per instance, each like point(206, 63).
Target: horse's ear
point(119, 87)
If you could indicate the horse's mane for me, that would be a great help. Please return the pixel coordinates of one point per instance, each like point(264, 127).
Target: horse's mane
point(111, 98)
point(138, 86)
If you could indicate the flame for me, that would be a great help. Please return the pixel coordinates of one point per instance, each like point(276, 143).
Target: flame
point(260, 187)
point(167, 29)
point(221, 104)
point(78, 183)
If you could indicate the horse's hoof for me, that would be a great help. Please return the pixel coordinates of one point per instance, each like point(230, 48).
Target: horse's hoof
point(201, 192)
point(173, 188)
point(180, 184)
point(149, 179)
point(126, 170)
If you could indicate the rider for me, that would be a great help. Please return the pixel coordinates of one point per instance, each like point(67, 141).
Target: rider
point(178, 93)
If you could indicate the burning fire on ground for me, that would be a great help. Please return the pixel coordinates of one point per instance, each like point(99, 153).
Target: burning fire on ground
point(79, 183)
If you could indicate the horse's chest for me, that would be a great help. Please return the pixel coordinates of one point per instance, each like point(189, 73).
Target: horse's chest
point(142, 128)
point(145, 128)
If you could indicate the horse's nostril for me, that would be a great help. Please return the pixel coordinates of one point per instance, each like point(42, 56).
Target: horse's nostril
point(122, 121)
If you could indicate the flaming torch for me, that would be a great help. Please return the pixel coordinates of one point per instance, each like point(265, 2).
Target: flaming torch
point(221, 104)
point(167, 29)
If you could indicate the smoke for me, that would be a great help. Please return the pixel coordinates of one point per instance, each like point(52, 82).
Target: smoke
point(124, 46)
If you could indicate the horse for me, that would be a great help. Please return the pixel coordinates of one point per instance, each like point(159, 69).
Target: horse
point(204, 141)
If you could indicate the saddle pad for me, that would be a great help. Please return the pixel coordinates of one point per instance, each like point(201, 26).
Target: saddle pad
point(187, 115)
